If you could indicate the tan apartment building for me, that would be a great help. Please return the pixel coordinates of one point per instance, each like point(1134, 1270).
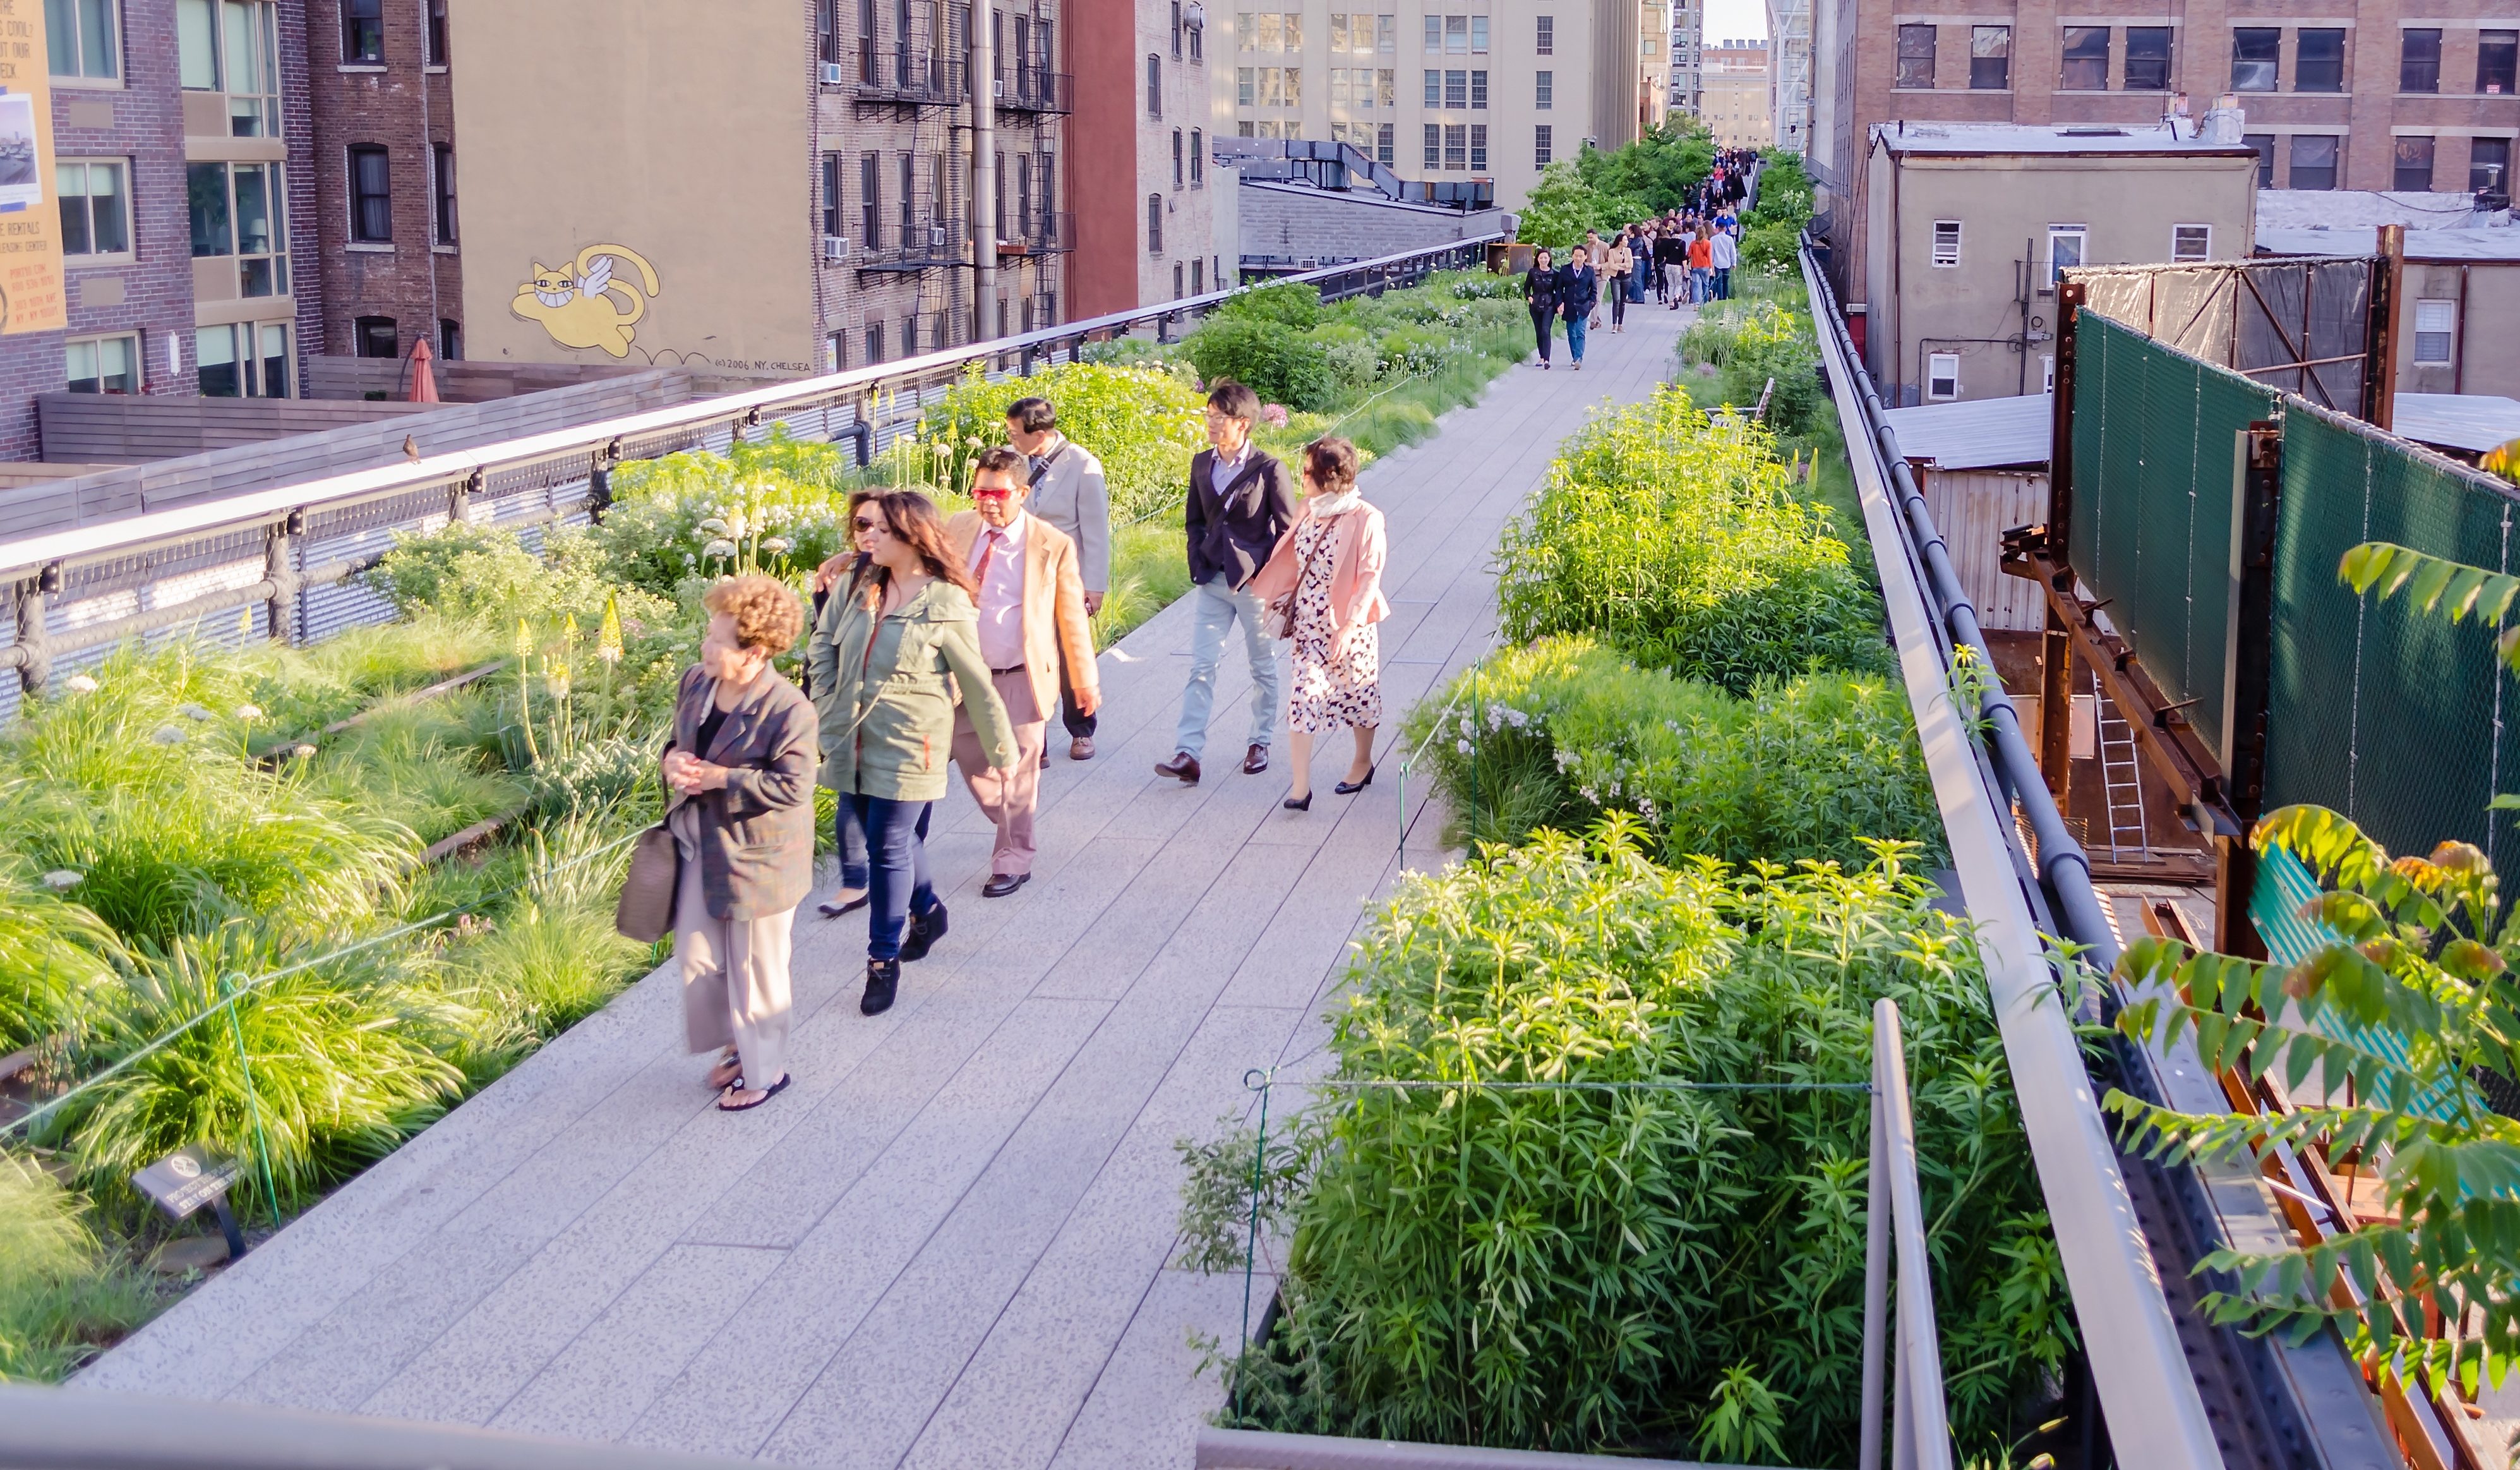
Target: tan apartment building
point(1686, 91)
point(1462, 91)
point(780, 185)
point(1973, 221)
point(2335, 94)
point(1738, 94)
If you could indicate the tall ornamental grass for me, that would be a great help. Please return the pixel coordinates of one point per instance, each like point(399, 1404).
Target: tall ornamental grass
point(1562, 731)
point(1642, 1271)
point(62, 1295)
point(1679, 541)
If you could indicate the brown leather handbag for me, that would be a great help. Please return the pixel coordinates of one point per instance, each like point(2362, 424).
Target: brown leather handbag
point(645, 913)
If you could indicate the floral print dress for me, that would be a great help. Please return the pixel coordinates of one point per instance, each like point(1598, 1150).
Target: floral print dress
point(1334, 685)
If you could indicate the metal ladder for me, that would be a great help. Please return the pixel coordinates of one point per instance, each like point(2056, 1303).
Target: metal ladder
point(2121, 778)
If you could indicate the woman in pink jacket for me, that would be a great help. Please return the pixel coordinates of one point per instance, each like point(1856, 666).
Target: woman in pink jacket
point(1330, 561)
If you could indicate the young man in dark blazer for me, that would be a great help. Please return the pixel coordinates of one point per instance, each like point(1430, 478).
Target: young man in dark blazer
point(1241, 502)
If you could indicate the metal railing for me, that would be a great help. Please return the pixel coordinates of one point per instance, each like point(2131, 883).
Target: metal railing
point(1035, 89)
point(281, 563)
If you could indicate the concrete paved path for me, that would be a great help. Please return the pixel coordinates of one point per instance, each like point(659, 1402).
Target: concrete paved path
point(946, 1243)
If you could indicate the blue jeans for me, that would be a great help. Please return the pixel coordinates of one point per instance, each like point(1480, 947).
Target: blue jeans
point(1723, 283)
point(1701, 284)
point(1213, 607)
point(1575, 335)
point(897, 844)
point(1637, 283)
point(849, 831)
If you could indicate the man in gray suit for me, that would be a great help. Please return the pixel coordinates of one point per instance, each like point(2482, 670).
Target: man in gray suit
point(1068, 492)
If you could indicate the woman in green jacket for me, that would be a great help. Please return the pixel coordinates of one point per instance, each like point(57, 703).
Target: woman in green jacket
point(889, 659)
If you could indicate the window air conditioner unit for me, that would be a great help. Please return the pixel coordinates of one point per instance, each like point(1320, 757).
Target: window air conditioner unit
point(834, 75)
point(835, 247)
point(998, 87)
point(936, 237)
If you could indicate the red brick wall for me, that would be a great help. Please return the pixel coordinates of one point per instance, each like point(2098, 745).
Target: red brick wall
point(408, 110)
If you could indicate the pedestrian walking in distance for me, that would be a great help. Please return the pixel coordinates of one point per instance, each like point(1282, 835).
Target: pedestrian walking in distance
point(1033, 636)
point(1577, 298)
point(890, 665)
point(1239, 504)
point(1327, 570)
point(1541, 285)
point(1620, 261)
point(739, 770)
point(1067, 492)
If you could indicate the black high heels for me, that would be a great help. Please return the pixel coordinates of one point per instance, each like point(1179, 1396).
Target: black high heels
point(1351, 788)
point(1303, 802)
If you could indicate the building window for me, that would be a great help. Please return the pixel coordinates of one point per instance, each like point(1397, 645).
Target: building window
point(1246, 93)
point(2313, 162)
point(2489, 163)
point(2086, 59)
point(1456, 143)
point(2147, 59)
point(1456, 36)
point(1384, 140)
point(1155, 224)
point(1434, 89)
point(2265, 144)
point(233, 48)
point(1177, 281)
point(1942, 375)
point(1478, 91)
point(96, 207)
point(874, 343)
point(363, 32)
point(835, 351)
point(375, 336)
point(80, 37)
point(1991, 58)
point(1197, 166)
point(1434, 146)
point(437, 50)
point(2497, 58)
point(1478, 35)
point(1916, 57)
point(442, 175)
point(2436, 325)
point(2065, 244)
point(1155, 85)
point(371, 194)
point(870, 203)
point(2319, 60)
point(833, 222)
point(910, 335)
point(2419, 59)
point(450, 340)
point(1181, 164)
point(1544, 38)
point(2414, 164)
point(2254, 49)
point(1457, 90)
point(1434, 35)
point(248, 360)
point(1540, 147)
point(1177, 30)
point(102, 364)
point(1198, 276)
point(2191, 242)
point(1946, 242)
point(1478, 148)
point(1544, 89)
point(241, 209)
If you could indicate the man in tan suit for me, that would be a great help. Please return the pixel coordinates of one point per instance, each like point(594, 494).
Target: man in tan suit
point(1032, 624)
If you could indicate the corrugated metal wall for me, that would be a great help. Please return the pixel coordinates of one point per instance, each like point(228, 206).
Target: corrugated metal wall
point(1973, 509)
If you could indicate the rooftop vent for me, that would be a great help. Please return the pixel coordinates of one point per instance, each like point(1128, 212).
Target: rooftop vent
point(2092, 132)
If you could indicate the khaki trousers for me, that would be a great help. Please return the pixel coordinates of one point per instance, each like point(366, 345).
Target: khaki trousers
point(735, 972)
point(1008, 804)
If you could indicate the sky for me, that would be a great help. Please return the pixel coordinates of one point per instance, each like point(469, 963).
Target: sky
point(1729, 20)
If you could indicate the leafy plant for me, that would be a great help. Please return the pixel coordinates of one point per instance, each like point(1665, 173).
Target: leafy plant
point(1512, 1223)
point(1279, 365)
point(62, 1297)
point(54, 957)
point(1143, 426)
point(1289, 303)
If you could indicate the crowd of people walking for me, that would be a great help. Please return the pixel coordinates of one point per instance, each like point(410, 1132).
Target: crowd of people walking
point(1685, 257)
point(933, 640)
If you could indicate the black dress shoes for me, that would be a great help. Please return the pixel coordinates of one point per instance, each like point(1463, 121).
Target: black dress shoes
point(884, 978)
point(1183, 767)
point(925, 931)
point(1255, 760)
point(1002, 883)
point(1351, 788)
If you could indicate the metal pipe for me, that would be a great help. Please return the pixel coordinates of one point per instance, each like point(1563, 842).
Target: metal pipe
point(984, 167)
point(1923, 1424)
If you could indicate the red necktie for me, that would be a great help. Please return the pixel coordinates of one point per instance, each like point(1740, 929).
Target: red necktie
point(988, 554)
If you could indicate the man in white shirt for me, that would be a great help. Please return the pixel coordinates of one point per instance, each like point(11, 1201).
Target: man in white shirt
point(1068, 492)
point(1033, 635)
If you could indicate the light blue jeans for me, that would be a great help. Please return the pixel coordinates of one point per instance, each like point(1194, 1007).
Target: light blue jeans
point(1213, 607)
point(1575, 335)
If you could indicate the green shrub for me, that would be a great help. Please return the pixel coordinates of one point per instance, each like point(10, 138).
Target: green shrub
point(1679, 542)
point(1603, 1269)
point(1561, 733)
point(1144, 424)
point(1279, 365)
point(1769, 250)
point(772, 507)
point(1289, 303)
point(62, 1297)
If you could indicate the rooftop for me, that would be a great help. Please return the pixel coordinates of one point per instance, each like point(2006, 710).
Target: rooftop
point(1978, 434)
point(2469, 422)
point(2473, 243)
point(2365, 209)
point(1982, 138)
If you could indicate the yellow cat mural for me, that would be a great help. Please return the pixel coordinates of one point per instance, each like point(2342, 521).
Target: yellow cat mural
point(581, 305)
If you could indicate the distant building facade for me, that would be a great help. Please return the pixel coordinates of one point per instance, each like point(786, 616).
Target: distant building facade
point(1789, 74)
point(1687, 86)
point(1737, 94)
point(1146, 188)
point(388, 230)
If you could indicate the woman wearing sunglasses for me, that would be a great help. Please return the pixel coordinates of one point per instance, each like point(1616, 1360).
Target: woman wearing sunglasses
point(891, 657)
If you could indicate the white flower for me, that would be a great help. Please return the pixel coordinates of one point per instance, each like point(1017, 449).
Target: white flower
point(81, 683)
point(167, 735)
point(248, 712)
point(63, 880)
point(1469, 726)
point(777, 545)
point(193, 712)
point(713, 524)
point(718, 548)
point(302, 751)
point(1463, 745)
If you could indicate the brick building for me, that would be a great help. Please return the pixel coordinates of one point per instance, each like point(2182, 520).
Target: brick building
point(1144, 185)
point(2360, 94)
point(383, 107)
point(176, 169)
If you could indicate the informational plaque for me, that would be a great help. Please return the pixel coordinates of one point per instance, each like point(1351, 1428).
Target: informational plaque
point(185, 1180)
point(32, 298)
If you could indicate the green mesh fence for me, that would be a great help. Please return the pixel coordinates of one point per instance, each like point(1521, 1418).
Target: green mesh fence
point(2157, 447)
point(2395, 718)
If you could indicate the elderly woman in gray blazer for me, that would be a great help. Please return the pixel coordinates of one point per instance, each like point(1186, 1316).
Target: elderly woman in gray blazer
point(739, 767)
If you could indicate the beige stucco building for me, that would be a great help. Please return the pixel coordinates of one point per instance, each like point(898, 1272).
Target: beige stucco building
point(1970, 225)
point(2458, 321)
point(1738, 94)
point(1460, 91)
